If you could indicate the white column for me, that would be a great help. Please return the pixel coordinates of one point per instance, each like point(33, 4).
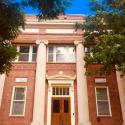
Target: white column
point(83, 110)
point(39, 95)
point(121, 87)
point(2, 80)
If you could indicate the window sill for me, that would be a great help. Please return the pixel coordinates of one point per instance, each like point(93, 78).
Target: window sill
point(16, 115)
point(104, 116)
point(23, 62)
point(61, 62)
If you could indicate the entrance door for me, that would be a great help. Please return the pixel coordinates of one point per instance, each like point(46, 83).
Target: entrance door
point(60, 114)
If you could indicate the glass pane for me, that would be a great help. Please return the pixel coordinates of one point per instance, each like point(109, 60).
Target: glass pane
point(57, 91)
point(70, 57)
point(51, 49)
point(60, 57)
point(23, 57)
point(53, 91)
point(102, 94)
point(34, 56)
point(24, 49)
point(17, 108)
point(34, 49)
point(64, 91)
point(67, 91)
point(56, 106)
point(71, 50)
point(60, 91)
point(19, 94)
point(66, 106)
point(103, 108)
point(50, 57)
point(60, 50)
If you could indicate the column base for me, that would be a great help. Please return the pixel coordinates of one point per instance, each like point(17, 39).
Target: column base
point(123, 123)
point(84, 123)
point(37, 123)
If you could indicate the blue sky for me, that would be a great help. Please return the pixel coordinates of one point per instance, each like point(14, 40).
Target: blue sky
point(77, 7)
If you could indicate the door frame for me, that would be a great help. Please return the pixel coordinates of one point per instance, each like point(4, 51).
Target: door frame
point(61, 82)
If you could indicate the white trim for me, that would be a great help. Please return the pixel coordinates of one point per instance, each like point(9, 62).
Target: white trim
point(107, 100)
point(67, 83)
point(30, 53)
point(14, 87)
point(58, 31)
point(2, 82)
point(29, 30)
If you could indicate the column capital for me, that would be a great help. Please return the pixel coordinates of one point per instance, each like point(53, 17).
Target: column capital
point(77, 42)
point(41, 41)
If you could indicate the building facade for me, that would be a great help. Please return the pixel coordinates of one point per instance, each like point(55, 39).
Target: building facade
point(47, 84)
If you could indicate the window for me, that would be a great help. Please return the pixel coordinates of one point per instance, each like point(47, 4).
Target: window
point(27, 53)
point(61, 54)
point(60, 91)
point(102, 101)
point(18, 101)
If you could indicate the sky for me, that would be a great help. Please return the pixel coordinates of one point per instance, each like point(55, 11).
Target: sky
point(77, 7)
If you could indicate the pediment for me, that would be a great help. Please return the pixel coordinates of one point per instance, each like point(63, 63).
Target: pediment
point(60, 77)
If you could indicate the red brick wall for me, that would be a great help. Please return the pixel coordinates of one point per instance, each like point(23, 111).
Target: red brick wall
point(28, 70)
point(19, 70)
point(116, 118)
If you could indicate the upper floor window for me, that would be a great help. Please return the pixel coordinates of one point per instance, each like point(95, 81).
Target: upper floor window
point(27, 53)
point(61, 54)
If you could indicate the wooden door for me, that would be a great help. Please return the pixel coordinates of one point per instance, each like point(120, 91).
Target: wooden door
point(60, 114)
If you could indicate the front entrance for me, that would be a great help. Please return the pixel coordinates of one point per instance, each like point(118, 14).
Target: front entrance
point(60, 111)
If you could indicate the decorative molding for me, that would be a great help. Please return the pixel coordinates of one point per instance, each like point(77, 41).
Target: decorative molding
point(29, 30)
point(58, 31)
point(41, 41)
point(100, 80)
point(21, 79)
point(78, 42)
point(60, 77)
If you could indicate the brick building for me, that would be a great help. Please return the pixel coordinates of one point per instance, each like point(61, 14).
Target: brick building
point(47, 84)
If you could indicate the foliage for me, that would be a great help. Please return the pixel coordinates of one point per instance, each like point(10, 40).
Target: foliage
point(7, 55)
point(12, 18)
point(48, 9)
point(107, 30)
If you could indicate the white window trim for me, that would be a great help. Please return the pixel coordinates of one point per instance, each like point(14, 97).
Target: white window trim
point(14, 87)
point(110, 115)
point(54, 59)
point(30, 53)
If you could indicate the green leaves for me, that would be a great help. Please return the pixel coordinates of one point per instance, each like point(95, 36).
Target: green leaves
point(7, 54)
point(49, 9)
point(109, 39)
point(11, 18)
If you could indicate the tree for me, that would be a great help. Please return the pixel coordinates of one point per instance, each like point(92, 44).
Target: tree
point(48, 9)
point(12, 17)
point(106, 31)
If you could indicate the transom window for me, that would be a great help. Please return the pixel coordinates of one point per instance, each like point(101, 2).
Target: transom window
point(18, 101)
point(61, 54)
point(102, 102)
point(27, 53)
point(60, 90)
